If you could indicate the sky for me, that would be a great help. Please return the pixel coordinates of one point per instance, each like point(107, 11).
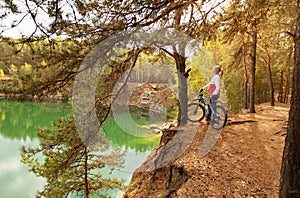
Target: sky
point(26, 26)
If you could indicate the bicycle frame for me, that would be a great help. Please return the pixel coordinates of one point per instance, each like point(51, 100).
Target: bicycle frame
point(204, 101)
point(216, 113)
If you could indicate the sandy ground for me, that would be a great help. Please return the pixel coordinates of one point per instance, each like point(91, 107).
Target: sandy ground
point(246, 160)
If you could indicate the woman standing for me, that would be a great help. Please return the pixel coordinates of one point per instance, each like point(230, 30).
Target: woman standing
point(214, 87)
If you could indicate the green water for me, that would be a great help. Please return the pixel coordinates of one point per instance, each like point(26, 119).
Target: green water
point(18, 121)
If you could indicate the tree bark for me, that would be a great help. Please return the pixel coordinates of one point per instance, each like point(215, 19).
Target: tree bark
point(280, 96)
point(181, 73)
point(286, 87)
point(246, 100)
point(86, 183)
point(269, 71)
point(182, 88)
point(290, 170)
point(246, 104)
point(252, 70)
point(271, 86)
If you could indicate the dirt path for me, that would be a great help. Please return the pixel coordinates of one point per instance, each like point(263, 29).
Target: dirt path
point(244, 162)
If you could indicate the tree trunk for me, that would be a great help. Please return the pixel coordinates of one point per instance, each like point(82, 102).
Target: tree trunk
point(286, 87)
point(271, 86)
point(181, 73)
point(182, 88)
point(269, 71)
point(246, 100)
point(290, 170)
point(86, 184)
point(252, 70)
point(280, 95)
point(246, 104)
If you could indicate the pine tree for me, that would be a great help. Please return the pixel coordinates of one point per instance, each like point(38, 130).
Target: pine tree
point(68, 166)
point(290, 174)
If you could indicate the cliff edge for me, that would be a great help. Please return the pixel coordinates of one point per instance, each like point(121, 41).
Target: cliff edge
point(244, 162)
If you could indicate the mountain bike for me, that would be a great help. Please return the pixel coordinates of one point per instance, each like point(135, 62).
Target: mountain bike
point(201, 107)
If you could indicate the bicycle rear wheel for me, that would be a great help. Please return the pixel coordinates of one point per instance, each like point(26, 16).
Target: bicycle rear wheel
point(195, 112)
point(219, 119)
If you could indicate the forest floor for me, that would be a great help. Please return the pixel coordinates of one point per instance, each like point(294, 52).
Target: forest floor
point(244, 162)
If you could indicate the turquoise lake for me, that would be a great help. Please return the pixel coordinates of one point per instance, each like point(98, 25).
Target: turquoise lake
point(18, 122)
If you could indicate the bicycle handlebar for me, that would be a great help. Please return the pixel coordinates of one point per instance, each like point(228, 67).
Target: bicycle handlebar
point(200, 91)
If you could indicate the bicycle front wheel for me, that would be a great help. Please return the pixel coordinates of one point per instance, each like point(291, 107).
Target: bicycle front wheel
point(219, 119)
point(195, 112)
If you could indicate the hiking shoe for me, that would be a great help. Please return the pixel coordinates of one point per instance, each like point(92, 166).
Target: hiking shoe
point(207, 121)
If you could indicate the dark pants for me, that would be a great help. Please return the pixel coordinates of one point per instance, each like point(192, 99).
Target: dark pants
point(213, 100)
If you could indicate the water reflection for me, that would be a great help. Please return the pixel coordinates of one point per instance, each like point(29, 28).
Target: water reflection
point(15, 180)
point(18, 120)
point(130, 142)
